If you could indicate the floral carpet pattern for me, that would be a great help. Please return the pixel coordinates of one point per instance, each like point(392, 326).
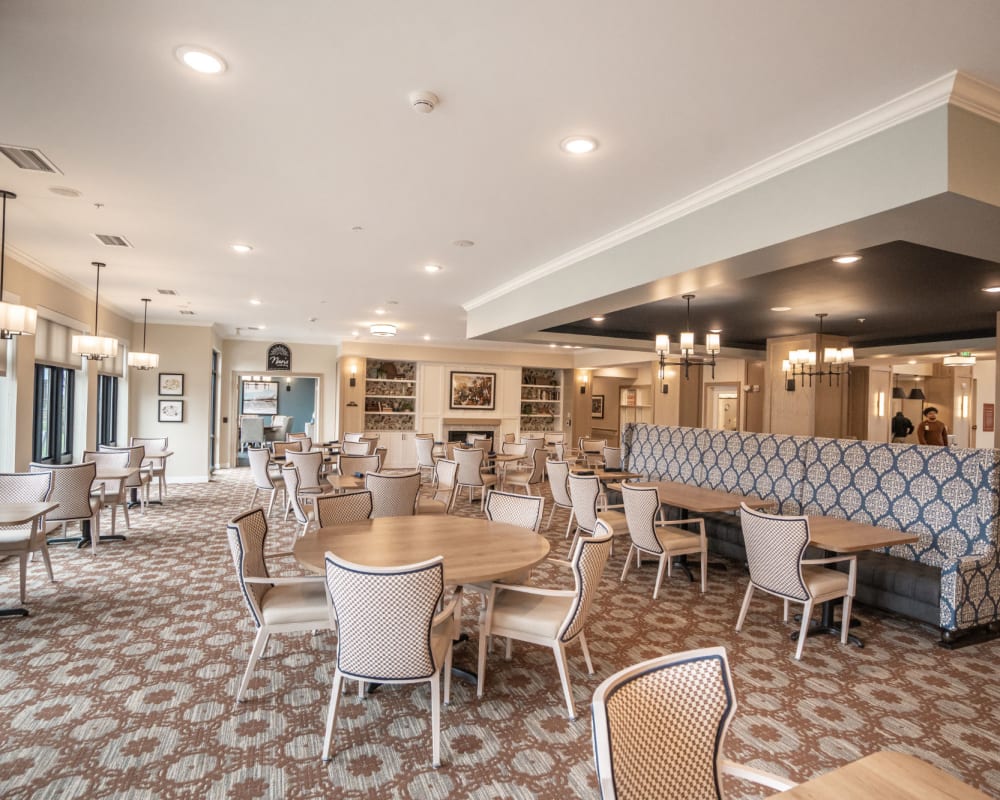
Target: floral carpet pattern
point(120, 684)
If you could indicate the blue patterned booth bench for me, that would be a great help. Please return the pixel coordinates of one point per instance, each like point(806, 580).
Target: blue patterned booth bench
point(947, 496)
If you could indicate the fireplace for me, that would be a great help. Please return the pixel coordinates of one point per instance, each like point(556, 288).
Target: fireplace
point(457, 429)
point(456, 435)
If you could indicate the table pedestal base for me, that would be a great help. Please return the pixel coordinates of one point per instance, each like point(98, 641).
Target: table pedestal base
point(13, 612)
point(828, 625)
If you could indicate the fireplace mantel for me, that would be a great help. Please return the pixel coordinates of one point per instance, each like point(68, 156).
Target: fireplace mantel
point(471, 421)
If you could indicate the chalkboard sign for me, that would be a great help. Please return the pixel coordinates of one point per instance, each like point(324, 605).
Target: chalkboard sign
point(279, 358)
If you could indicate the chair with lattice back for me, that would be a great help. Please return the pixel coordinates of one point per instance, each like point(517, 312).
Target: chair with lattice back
point(71, 489)
point(528, 478)
point(445, 488)
point(589, 503)
point(470, 474)
point(115, 491)
point(276, 604)
point(775, 546)
point(559, 486)
point(393, 495)
point(424, 444)
point(551, 617)
point(391, 631)
point(343, 509)
point(659, 728)
point(264, 479)
point(157, 466)
point(138, 482)
point(23, 540)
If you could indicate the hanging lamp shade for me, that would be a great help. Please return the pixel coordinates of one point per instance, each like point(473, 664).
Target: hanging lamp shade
point(94, 347)
point(898, 393)
point(144, 360)
point(15, 320)
point(916, 394)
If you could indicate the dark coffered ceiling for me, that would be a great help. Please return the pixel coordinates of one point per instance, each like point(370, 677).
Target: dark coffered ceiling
point(899, 293)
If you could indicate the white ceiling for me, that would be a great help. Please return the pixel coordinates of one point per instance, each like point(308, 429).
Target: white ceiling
point(310, 133)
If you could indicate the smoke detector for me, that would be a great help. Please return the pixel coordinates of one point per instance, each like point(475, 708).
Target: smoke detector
point(423, 102)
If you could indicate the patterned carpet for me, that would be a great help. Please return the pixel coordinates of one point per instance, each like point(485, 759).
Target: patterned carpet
point(120, 684)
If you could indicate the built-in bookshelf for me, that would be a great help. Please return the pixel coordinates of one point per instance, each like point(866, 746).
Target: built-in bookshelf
point(636, 405)
point(541, 399)
point(390, 395)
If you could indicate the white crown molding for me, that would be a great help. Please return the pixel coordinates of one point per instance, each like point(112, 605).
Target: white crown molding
point(954, 87)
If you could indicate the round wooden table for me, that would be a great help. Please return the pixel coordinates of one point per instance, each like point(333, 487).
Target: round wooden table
point(474, 550)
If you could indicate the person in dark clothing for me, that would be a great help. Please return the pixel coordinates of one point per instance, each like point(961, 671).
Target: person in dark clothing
point(901, 427)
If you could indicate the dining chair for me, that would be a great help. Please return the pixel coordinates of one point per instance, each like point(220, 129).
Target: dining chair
point(524, 511)
point(276, 604)
point(532, 443)
point(157, 467)
point(23, 540)
point(527, 478)
point(358, 464)
point(589, 504)
point(352, 437)
point(659, 728)
point(251, 432)
point(299, 502)
point(664, 540)
point(470, 474)
point(553, 437)
point(393, 495)
point(264, 479)
point(551, 617)
point(291, 437)
point(390, 630)
point(305, 442)
point(139, 481)
point(355, 448)
point(343, 509)
point(282, 449)
point(115, 491)
point(775, 547)
point(425, 454)
point(512, 449)
point(310, 466)
point(592, 451)
point(559, 487)
point(612, 457)
point(445, 488)
point(71, 489)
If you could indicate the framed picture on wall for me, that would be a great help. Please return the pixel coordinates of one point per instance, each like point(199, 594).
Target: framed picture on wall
point(260, 397)
point(473, 390)
point(597, 406)
point(171, 411)
point(172, 383)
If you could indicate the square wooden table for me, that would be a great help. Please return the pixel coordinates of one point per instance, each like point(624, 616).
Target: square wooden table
point(12, 514)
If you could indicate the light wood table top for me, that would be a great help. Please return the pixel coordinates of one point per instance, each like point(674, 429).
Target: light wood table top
point(344, 483)
point(842, 536)
point(474, 550)
point(699, 499)
point(887, 776)
point(605, 474)
point(115, 474)
point(20, 513)
point(159, 453)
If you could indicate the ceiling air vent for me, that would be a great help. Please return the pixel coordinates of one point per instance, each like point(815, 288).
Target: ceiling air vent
point(29, 158)
point(185, 311)
point(167, 291)
point(111, 240)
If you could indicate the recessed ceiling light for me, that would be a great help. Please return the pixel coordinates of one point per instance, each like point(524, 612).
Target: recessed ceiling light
point(715, 330)
point(578, 145)
point(567, 347)
point(781, 308)
point(254, 301)
point(992, 289)
point(597, 319)
point(382, 329)
point(553, 345)
point(262, 327)
point(201, 60)
point(427, 337)
point(463, 243)
point(432, 268)
point(380, 311)
point(242, 249)
point(912, 361)
point(355, 334)
point(847, 259)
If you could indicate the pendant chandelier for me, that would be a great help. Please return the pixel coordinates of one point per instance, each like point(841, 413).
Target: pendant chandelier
point(15, 320)
point(802, 364)
point(95, 348)
point(144, 360)
point(687, 355)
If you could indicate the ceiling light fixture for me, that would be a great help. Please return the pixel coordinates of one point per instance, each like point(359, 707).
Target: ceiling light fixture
point(578, 145)
point(963, 358)
point(201, 60)
point(464, 243)
point(992, 289)
point(380, 311)
point(802, 364)
point(687, 353)
point(432, 268)
point(254, 301)
point(597, 319)
point(94, 347)
point(242, 249)
point(847, 259)
point(382, 329)
point(427, 337)
point(144, 360)
point(781, 308)
point(15, 320)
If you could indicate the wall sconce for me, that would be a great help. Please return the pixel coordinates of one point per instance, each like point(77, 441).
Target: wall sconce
point(354, 375)
point(583, 384)
point(879, 404)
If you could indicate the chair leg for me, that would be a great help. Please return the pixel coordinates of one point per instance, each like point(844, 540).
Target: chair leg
point(128, 522)
point(745, 607)
point(560, 653)
point(484, 636)
point(845, 619)
point(552, 513)
point(270, 503)
point(48, 561)
point(258, 647)
point(665, 559)
point(804, 630)
point(569, 524)
point(586, 654)
point(331, 714)
point(628, 563)
point(254, 498)
point(24, 572)
point(785, 610)
point(704, 570)
point(436, 720)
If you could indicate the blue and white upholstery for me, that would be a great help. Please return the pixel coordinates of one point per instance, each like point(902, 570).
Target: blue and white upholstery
point(276, 605)
point(660, 726)
point(390, 631)
point(23, 540)
point(775, 549)
point(549, 617)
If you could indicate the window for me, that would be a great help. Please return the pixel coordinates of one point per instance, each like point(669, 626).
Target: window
point(107, 409)
point(53, 433)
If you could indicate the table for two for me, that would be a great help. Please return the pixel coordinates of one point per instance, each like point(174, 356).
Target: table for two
point(12, 514)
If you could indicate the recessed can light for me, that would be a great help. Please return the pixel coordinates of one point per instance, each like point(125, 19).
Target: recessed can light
point(847, 259)
point(355, 334)
point(781, 308)
point(578, 145)
point(380, 311)
point(427, 337)
point(553, 344)
point(201, 59)
point(242, 249)
point(715, 330)
point(432, 268)
point(992, 289)
point(597, 319)
point(254, 301)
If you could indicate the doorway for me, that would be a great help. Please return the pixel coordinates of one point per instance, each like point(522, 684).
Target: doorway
point(722, 406)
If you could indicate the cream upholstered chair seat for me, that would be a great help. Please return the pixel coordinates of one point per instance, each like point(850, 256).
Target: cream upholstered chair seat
point(294, 602)
point(23, 540)
point(775, 545)
point(537, 615)
point(659, 727)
